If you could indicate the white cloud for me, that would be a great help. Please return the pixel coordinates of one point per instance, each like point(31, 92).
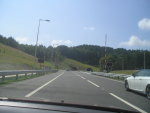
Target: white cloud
point(67, 42)
point(56, 43)
point(135, 41)
point(89, 28)
point(22, 40)
point(144, 24)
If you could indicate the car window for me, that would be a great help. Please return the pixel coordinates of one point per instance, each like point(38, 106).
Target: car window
point(139, 74)
point(143, 73)
point(135, 73)
point(146, 73)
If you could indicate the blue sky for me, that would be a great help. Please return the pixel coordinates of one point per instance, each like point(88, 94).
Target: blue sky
point(76, 22)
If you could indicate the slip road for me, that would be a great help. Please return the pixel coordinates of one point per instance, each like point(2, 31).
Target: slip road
point(79, 88)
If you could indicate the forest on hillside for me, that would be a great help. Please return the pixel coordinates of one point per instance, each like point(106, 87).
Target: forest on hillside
point(89, 54)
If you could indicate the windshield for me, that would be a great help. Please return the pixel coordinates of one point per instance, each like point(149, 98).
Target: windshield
point(76, 51)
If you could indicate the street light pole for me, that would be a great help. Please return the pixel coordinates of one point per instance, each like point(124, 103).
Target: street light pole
point(38, 35)
point(144, 60)
point(105, 50)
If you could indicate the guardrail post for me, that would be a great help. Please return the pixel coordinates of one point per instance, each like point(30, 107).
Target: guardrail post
point(16, 76)
point(118, 77)
point(3, 78)
point(25, 75)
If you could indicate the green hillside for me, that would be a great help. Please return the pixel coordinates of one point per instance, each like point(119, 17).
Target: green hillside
point(14, 59)
point(69, 64)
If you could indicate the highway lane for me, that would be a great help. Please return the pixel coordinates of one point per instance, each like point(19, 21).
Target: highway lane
point(72, 89)
point(19, 89)
point(75, 87)
point(117, 88)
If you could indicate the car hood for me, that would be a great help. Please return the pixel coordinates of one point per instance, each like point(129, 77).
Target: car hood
point(34, 104)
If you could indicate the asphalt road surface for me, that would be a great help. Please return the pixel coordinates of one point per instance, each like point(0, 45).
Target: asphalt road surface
point(79, 88)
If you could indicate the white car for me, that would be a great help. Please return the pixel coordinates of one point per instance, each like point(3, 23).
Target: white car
point(140, 82)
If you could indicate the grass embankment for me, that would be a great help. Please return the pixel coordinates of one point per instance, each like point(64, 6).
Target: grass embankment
point(69, 63)
point(13, 59)
point(128, 72)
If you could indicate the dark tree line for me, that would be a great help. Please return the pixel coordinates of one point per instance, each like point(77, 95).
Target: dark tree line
point(88, 54)
point(9, 41)
point(95, 55)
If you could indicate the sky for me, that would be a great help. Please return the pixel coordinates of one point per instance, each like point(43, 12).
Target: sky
point(74, 22)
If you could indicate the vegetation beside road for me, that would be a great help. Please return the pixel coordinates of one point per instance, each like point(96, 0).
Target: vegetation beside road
point(91, 55)
point(72, 64)
point(128, 72)
point(14, 59)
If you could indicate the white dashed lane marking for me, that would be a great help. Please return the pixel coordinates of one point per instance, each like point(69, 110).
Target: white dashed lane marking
point(93, 83)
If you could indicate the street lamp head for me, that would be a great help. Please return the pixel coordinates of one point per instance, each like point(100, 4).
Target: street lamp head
point(47, 20)
point(44, 20)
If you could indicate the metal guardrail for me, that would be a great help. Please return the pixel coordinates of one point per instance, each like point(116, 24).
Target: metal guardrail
point(111, 75)
point(16, 73)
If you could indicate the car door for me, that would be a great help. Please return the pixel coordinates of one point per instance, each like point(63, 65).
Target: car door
point(131, 82)
point(137, 80)
point(145, 80)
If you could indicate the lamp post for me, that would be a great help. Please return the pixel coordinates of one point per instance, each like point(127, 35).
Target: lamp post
point(38, 35)
point(105, 51)
point(144, 60)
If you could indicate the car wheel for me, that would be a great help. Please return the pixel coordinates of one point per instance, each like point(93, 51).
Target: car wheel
point(148, 91)
point(126, 85)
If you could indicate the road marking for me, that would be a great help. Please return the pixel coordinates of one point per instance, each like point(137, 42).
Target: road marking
point(131, 105)
point(95, 105)
point(83, 77)
point(39, 88)
point(93, 83)
point(85, 73)
point(80, 76)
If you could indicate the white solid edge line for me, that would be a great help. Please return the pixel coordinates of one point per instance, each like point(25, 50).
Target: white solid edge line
point(39, 88)
point(93, 83)
point(129, 104)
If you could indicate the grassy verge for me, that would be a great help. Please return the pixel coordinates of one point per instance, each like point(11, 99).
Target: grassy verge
point(68, 63)
point(14, 59)
point(116, 78)
point(128, 72)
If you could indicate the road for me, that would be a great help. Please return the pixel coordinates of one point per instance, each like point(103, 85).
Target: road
point(79, 88)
